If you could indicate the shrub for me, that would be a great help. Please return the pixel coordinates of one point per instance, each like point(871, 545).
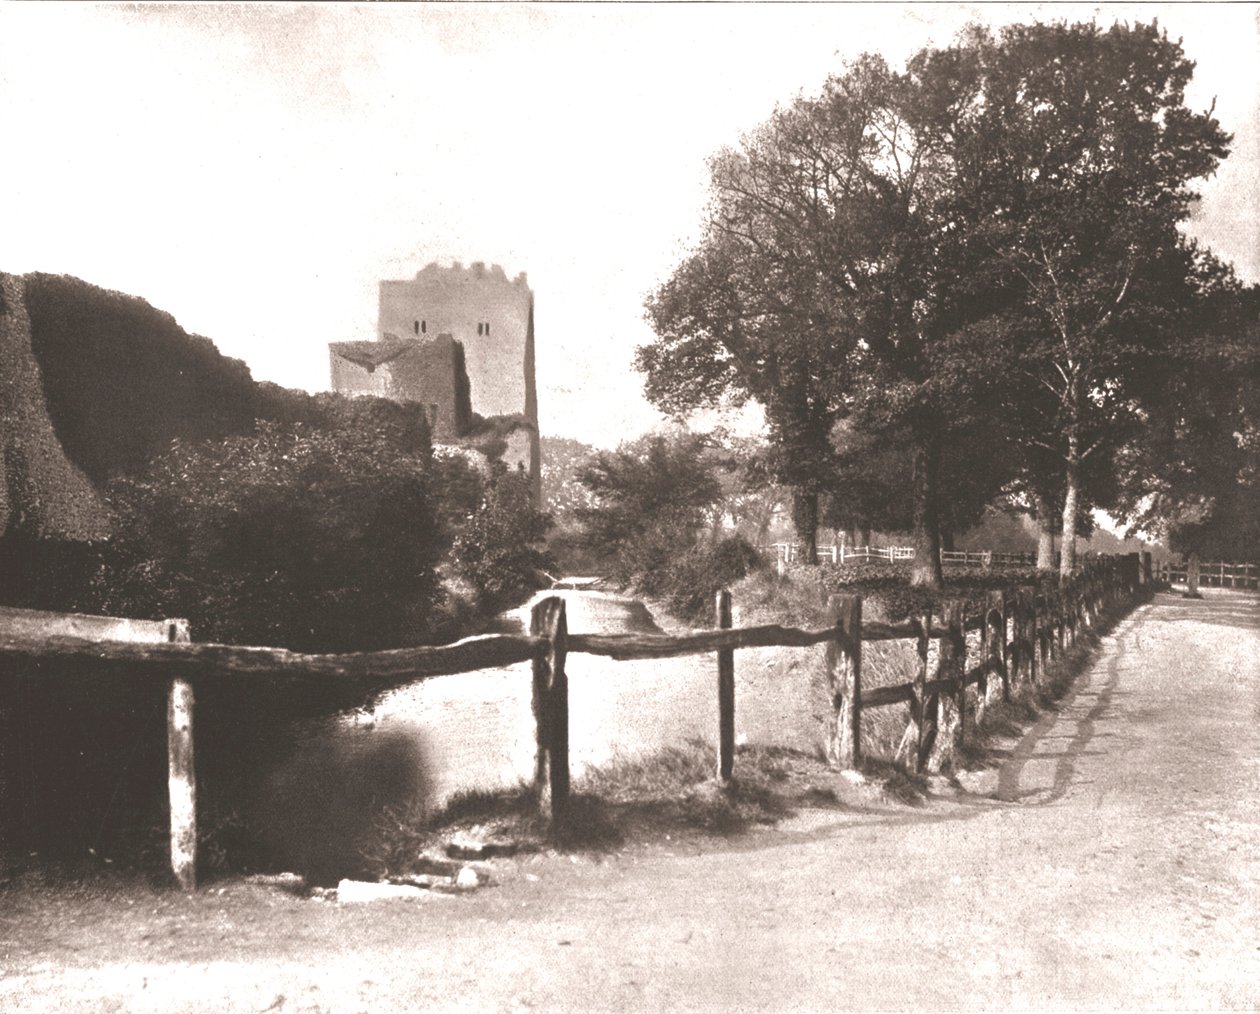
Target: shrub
point(691, 582)
point(311, 539)
point(888, 583)
point(652, 501)
point(499, 550)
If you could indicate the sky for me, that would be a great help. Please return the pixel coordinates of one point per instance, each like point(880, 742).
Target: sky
point(255, 170)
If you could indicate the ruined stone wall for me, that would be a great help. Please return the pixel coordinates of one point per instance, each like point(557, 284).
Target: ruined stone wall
point(429, 371)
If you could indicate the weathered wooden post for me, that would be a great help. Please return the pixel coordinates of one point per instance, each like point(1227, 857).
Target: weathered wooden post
point(181, 772)
point(999, 656)
point(726, 693)
point(1026, 610)
point(551, 706)
point(1072, 603)
point(1060, 619)
point(917, 741)
point(1041, 624)
point(923, 707)
point(950, 704)
point(1052, 622)
point(844, 678)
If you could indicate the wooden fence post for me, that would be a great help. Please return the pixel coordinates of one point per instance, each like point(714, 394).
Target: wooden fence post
point(1041, 621)
point(923, 709)
point(995, 627)
point(1060, 619)
point(844, 677)
point(181, 772)
point(1026, 610)
point(1052, 622)
point(551, 706)
point(917, 741)
point(950, 706)
point(726, 693)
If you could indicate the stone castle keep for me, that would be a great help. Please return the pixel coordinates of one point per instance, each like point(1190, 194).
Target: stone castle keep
point(458, 340)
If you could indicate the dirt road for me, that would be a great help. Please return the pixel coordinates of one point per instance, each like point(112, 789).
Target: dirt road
point(1112, 861)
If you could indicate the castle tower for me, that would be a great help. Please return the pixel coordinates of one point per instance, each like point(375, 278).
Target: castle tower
point(489, 318)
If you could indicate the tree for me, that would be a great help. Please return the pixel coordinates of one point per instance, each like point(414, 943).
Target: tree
point(660, 518)
point(727, 333)
point(654, 500)
point(1079, 165)
point(831, 281)
point(1194, 478)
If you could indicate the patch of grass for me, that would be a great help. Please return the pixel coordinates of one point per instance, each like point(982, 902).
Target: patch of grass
point(670, 791)
point(886, 663)
point(895, 782)
point(661, 774)
point(675, 788)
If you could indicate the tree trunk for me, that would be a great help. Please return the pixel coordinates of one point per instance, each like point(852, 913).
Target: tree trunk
point(925, 570)
point(1045, 533)
point(1192, 576)
point(947, 540)
point(805, 517)
point(1071, 497)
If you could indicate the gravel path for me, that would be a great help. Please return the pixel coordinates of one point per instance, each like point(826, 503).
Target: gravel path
point(1113, 861)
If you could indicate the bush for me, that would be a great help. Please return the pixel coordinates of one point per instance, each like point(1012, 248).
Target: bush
point(310, 539)
point(499, 551)
point(653, 499)
point(690, 583)
point(889, 583)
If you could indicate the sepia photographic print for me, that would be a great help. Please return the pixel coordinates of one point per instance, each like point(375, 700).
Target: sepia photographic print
point(629, 507)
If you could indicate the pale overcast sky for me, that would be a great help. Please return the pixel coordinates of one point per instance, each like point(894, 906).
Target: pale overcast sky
point(255, 170)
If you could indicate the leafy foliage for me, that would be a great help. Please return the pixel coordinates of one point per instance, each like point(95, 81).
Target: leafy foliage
point(657, 520)
point(654, 500)
point(316, 540)
point(499, 550)
point(123, 379)
point(42, 493)
point(562, 459)
point(1195, 477)
point(909, 253)
point(1079, 165)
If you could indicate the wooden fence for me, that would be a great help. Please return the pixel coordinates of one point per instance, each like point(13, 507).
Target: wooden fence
point(790, 552)
point(1021, 631)
point(1212, 574)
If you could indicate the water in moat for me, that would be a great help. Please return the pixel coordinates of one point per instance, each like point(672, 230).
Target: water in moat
point(423, 742)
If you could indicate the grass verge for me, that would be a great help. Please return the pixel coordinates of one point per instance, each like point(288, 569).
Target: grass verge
point(671, 792)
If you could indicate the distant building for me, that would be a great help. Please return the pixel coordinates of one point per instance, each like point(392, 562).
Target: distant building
point(459, 341)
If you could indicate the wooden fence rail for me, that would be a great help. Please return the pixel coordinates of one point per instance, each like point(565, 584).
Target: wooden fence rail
point(1212, 573)
point(1021, 631)
point(789, 552)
